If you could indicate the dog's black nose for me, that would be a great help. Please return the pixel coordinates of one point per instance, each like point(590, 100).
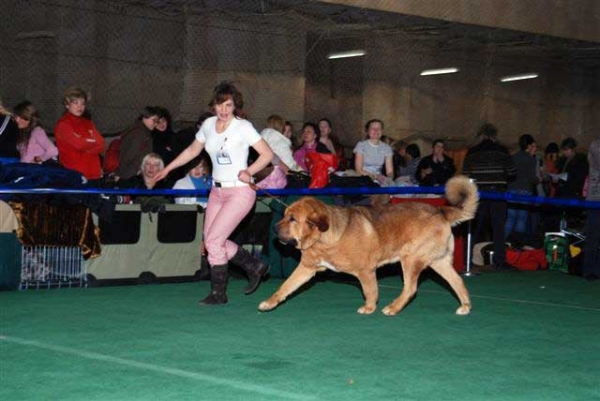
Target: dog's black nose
point(291, 242)
point(286, 241)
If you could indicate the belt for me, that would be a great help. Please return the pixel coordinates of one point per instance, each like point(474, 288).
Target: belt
point(229, 184)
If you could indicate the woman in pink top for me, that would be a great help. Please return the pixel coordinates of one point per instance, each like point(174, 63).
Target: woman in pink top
point(32, 142)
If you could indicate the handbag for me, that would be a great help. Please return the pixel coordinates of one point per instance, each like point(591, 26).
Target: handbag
point(320, 165)
point(275, 180)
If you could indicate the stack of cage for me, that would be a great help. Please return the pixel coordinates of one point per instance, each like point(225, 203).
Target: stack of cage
point(52, 267)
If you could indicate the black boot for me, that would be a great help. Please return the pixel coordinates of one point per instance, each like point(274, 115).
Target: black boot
point(255, 269)
point(218, 286)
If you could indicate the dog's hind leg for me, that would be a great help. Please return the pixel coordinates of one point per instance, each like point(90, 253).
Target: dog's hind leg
point(368, 282)
point(411, 270)
point(298, 277)
point(444, 268)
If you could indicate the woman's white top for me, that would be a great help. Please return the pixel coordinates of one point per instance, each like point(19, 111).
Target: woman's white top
point(228, 150)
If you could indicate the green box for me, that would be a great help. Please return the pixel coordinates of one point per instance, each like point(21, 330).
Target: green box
point(10, 261)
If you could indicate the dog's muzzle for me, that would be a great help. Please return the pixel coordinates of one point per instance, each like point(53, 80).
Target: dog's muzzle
point(282, 238)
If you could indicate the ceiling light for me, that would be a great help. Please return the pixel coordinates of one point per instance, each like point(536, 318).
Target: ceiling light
point(518, 77)
point(439, 71)
point(350, 53)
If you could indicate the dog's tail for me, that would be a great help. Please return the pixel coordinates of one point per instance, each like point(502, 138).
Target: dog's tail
point(463, 197)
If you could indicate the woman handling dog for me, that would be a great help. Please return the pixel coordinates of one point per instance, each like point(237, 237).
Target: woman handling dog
point(227, 138)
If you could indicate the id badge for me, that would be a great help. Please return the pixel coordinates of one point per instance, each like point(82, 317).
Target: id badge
point(223, 158)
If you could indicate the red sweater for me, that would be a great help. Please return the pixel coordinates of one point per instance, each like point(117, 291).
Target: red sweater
point(79, 145)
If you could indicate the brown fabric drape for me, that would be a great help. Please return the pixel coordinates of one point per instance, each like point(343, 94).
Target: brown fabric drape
point(52, 225)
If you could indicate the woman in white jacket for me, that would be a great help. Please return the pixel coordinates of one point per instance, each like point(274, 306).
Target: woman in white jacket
point(279, 143)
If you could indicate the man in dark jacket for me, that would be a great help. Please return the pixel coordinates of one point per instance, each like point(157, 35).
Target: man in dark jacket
point(490, 165)
point(437, 168)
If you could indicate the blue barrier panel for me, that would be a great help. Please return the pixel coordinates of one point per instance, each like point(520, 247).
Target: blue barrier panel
point(535, 200)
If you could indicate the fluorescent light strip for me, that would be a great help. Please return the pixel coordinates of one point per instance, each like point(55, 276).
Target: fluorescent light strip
point(439, 71)
point(518, 77)
point(351, 53)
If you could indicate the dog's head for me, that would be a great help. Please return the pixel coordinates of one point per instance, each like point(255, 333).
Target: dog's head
point(303, 223)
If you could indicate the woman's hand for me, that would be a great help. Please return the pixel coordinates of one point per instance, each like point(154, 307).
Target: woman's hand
point(159, 176)
point(245, 176)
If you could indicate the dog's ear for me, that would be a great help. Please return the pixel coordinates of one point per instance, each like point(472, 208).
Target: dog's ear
point(321, 221)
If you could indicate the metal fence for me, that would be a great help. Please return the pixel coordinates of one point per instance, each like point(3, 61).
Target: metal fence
point(52, 267)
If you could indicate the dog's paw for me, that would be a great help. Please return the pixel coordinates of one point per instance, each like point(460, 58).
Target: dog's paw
point(366, 310)
point(265, 306)
point(389, 311)
point(463, 310)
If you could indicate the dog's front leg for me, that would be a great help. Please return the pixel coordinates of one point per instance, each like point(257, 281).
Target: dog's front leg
point(298, 277)
point(368, 282)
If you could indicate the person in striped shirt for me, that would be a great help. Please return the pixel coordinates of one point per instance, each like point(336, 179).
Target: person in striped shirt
point(492, 168)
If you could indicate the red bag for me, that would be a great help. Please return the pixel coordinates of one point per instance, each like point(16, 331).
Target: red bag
point(319, 165)
point(113, 153)
point(111, 157)
point(531, 259)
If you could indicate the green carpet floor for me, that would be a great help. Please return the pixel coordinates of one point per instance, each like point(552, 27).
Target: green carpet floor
point(530, 336)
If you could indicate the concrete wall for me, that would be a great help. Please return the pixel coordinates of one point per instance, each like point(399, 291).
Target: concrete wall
point(574, 19)
point(386, 84)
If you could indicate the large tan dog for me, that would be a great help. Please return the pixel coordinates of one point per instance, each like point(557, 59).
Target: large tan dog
point(358, 240)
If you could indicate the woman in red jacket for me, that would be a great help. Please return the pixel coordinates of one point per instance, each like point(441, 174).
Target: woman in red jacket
point(79, 142)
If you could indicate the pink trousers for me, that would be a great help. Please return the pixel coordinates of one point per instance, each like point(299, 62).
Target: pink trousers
point(226, 208)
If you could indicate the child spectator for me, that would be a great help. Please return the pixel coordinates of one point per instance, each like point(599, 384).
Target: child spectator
point(198, 177)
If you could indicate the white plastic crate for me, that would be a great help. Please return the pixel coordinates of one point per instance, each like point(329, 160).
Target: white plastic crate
point(52, 266)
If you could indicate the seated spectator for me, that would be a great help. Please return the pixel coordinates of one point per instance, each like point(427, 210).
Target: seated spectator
point(163, 135)
point(387, 139)
point(413, 158)
point(151, 165)
point(328, 138)
point(288, 131)
point(372, 157)
point(437, 168)
point(8, 136)
point(310, 143)
point(136, 143)
point(325, 134)
point(399, 157)
point(32, 142)
point(79, 142)
point(198, 177)
point(280, 145)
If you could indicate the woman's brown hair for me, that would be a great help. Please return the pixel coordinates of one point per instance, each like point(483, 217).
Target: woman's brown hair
point(28, 112)
point(225, 91)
